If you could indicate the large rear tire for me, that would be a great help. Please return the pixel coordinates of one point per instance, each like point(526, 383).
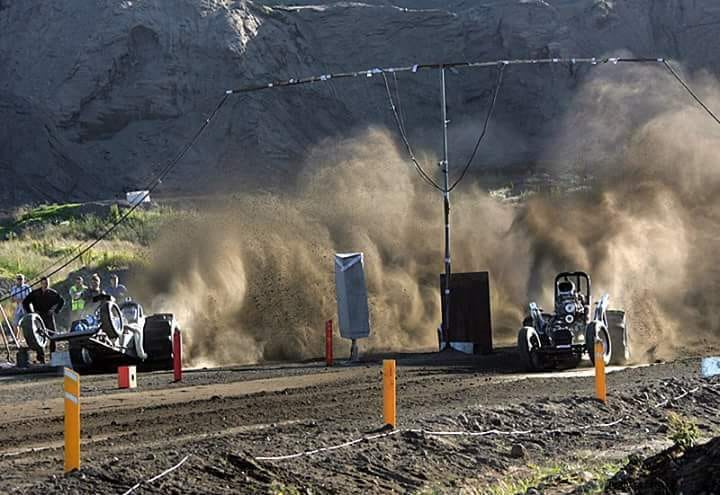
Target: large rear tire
point(529, 347)
point(617, 328)
point(111, 319)
point(34, 332)
point(157, 341)
point(81, 358)
point(597, 328)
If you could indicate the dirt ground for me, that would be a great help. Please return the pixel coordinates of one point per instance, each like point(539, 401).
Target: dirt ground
point(225, 419)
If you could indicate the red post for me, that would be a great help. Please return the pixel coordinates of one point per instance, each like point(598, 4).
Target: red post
point(177, 355)
point(328, 343)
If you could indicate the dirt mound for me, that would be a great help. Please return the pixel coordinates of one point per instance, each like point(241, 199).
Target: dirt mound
point(672, 471)
point(122, 85)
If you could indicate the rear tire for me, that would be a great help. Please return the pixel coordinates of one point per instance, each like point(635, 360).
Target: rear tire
point(528, 347)
point(599, 328)
point(617, 329)
point(158, 341)
point(80, 358)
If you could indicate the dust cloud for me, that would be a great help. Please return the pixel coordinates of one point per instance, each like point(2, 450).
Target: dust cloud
point(254, 280)
point(649, 226)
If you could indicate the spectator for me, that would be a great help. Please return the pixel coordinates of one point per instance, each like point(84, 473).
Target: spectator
point(77, 303)
point(18, 293)
point(46, 302)
point(116, 289)
point(89, 294)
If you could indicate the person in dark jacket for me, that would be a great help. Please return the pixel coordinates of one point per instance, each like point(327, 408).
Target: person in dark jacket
point(46, 302)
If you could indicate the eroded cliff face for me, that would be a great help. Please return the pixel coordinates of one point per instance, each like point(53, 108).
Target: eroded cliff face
point(97, 96)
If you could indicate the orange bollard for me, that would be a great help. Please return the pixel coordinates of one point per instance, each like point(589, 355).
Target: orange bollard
point(71, 387)
point(177, 356)
point(389, 402)
point(600, 389)
point(329, 343)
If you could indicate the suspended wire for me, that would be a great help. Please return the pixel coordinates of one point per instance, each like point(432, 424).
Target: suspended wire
point(488, 116)
point(405, 140)
point(50, 270)
point(690, 91)
point(457, 65)
point(399, 103)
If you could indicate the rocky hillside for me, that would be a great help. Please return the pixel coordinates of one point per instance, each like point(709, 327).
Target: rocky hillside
point(95, 96)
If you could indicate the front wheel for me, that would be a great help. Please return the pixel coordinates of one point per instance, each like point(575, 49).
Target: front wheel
point(111, 320)
point(34, 332)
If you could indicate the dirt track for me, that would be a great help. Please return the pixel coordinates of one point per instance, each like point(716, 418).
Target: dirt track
point(225, 418)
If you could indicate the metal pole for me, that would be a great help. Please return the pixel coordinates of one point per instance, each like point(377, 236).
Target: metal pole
point(446, 209)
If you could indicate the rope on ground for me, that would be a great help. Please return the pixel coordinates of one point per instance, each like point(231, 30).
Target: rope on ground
point(681, 396)
point(166, 472)
point(430, 433)
point(327, 449)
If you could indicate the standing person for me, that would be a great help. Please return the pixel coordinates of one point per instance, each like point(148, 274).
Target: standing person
point(46, 302)
point(116, 289)
point(77, 303)
point(18, 293)
point(89, 295)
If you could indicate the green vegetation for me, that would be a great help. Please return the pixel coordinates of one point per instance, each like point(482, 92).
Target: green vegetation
point(39, 237)
point(568, 475)
point(43, 214)
point(277, 488)
point(683, 432)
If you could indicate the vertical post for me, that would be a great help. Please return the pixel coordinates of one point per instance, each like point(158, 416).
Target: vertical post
point(71, 387)
point(329, 343)
point(446, 210)
point(177, 355)
point(600, 389)
point(389, 403)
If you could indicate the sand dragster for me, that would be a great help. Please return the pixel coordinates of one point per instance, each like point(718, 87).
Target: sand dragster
point(549, 340)
point(110, 335)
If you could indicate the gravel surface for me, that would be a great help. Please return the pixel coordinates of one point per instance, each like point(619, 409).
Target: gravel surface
point(225, 419)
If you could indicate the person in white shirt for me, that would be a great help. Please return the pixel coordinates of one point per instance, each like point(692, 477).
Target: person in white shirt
point(18, 293)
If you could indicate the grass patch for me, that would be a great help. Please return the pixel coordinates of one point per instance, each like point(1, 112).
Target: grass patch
point(140, 227)
point(570, 475)
point(31, 257)
point(278, 488)
point(44, 214)
point(49, 235)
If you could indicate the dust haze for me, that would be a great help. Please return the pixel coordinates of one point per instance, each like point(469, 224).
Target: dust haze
point(254, 281)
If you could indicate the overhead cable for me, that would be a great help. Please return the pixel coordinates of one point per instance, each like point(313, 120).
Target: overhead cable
point(453, 65)
point(690, 91)
point(404, 137)
point(491, 108)
point(399, 103)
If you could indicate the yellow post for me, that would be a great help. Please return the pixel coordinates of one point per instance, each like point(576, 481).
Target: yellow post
point(600, 390)
point(71, 385)
point(389, 409)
